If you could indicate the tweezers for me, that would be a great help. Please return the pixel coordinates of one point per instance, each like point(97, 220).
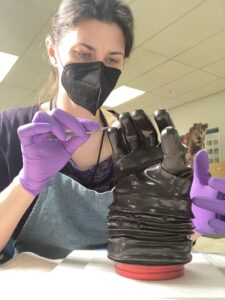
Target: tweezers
point(71, 134)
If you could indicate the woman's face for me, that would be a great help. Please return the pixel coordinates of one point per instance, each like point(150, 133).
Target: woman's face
point(88, 41)
point(92, 40)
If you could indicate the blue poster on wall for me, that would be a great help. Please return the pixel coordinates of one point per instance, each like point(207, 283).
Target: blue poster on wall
point(213, 144)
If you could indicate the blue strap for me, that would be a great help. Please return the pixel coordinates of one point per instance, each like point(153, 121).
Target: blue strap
point(7, 253)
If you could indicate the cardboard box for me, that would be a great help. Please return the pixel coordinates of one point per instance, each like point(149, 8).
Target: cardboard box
point(217, 169)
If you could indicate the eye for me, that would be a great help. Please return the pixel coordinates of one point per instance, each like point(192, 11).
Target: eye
point(113, 61)
point(83, 55)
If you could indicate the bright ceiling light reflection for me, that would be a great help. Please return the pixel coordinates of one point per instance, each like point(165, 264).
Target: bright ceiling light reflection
point(6, 63)
point(122, 95)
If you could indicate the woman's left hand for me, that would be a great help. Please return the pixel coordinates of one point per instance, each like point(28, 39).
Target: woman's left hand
point(207, 197)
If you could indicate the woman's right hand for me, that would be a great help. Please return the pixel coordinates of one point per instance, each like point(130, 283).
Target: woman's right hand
point(44, 156)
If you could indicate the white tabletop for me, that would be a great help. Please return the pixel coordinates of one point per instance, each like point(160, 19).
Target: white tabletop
point(91, 275)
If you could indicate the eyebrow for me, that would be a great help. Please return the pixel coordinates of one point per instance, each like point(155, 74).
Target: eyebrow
point(93, 49)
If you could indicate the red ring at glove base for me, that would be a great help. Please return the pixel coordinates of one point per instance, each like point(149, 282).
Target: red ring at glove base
point(154, 273)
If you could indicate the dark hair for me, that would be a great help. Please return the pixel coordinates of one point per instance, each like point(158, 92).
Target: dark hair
point(71, 12)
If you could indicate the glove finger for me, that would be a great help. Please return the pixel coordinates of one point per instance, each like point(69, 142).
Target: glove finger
point(201, 167)
point(174, 151)
point(27, 132)
point(218, 226)
point(163, 119)
point(116, 140)
point(56, 128)
point(73, 143)
point(68, 121)
point(89, 125)
point(130, 134)
point(217, 183)
point(146, 130)
point(201, 219)
point(214, 205)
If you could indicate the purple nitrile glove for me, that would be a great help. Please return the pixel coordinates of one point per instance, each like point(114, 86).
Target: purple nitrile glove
point(43, 156)
point(207, 196)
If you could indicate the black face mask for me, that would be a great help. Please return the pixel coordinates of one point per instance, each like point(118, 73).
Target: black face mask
point(89, 84)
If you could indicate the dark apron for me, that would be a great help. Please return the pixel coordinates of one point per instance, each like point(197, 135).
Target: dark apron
point(66, 216)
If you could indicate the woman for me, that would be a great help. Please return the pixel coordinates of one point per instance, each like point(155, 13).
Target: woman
point(87, 49)
point(56, 190)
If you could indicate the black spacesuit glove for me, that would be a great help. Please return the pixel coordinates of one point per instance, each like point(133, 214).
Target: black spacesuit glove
point(150, 217)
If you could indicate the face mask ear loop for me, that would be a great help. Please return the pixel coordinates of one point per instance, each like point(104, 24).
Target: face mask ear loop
point(57, 50)
point(99, 96)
